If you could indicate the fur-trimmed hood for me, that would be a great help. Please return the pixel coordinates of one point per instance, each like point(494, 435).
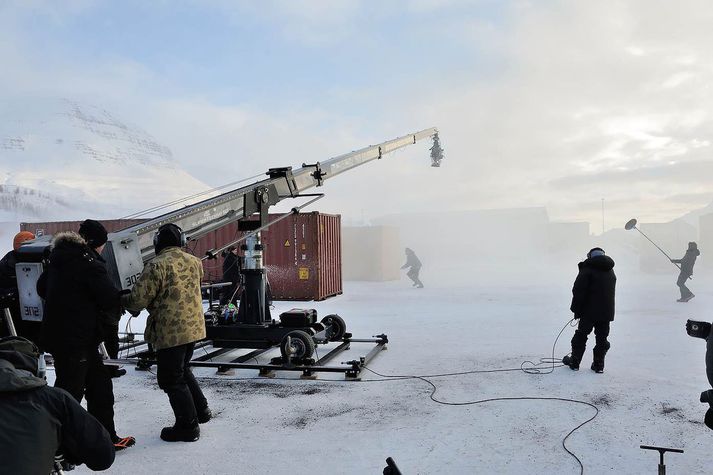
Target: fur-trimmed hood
point(67, 247)
point(68, 239)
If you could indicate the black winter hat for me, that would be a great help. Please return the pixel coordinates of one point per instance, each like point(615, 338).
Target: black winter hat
point(93, 232)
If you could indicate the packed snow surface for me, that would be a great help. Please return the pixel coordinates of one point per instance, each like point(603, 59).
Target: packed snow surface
point(647, 395)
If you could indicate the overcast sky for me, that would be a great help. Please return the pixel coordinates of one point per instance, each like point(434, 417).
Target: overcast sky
point(541, 103)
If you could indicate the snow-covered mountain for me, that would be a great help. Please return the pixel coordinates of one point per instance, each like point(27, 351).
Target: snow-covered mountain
point(62, 160)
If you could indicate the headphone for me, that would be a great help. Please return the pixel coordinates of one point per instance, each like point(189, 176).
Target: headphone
point(592, 251)
point(176, 231)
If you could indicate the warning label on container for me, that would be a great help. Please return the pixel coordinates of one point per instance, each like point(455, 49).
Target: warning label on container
point(287, 243)
point(304, 273)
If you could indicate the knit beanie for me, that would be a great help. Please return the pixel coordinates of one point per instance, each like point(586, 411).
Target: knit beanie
point(21, 237)
point(93, 232)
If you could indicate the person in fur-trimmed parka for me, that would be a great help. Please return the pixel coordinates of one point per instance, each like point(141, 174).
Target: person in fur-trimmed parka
point(593, 305)
point(78, 292)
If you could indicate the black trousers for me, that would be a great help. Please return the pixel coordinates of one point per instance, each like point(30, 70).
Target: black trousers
point(579, 340)
point(111, 339)
point(81, 372)
point(177, 381)
point(681, 282)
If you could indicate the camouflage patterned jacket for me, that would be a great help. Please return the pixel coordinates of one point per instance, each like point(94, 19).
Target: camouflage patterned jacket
point(170, 289)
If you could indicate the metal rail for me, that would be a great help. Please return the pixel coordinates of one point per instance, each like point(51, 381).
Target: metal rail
point(350, 369)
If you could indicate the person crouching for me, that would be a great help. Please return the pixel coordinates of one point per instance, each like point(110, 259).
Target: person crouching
point(170, 289)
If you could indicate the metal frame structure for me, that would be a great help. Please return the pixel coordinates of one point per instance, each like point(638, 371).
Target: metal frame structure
point(221, 358)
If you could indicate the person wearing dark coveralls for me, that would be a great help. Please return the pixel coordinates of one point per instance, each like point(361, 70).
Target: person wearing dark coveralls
point(78, 292)
point(686, 262)
point(231, 273)
point(593, 297)
point(170, 288)
point(415, 267)
point(96, 236)
point(38, 420)
point(9, 293)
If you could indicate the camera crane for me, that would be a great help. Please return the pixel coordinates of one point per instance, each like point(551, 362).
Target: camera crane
point(297, 331)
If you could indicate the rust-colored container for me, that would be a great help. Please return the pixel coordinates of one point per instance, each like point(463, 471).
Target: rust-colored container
point(303, 253)
point(303, 257)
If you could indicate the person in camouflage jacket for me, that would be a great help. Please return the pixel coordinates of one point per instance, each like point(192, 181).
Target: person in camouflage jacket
point(170, 289)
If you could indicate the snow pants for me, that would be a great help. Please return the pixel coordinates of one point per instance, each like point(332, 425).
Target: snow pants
point(177, 381)
point(681, 282)
point(81, 372)
point(579, 340)
point(413, 275)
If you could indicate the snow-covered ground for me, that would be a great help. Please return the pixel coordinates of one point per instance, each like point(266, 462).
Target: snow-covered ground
point(648, 394)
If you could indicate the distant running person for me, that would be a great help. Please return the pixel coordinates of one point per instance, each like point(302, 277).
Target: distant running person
point(415, 264)
point(687, 262)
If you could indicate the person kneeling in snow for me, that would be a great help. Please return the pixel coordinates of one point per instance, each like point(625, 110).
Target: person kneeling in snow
point(593, 306)
point(37, 419)
point(170, 288)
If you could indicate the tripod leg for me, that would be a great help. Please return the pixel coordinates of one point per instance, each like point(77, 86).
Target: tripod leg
point(10, 324)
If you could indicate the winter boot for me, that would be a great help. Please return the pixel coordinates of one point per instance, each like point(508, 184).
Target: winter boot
point(204, 415)
point(686, 299)
point(598, 353)
point(121, 443)
point(707, 397)
point(182, 431)
point(708, 420)
point(569, 361)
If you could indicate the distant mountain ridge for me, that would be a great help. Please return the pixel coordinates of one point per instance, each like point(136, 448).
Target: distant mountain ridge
point(60, 159)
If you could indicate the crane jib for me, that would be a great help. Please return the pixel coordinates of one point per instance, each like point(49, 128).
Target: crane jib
point(131, 247)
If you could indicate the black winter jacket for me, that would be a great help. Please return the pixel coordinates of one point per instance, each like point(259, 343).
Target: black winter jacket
point(36, 419)
point(78, 294)
point(8, 279)
point(231, 268)
point(687, 261)
point(593, 291)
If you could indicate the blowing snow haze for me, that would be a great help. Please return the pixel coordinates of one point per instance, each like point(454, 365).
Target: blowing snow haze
point(63, 160)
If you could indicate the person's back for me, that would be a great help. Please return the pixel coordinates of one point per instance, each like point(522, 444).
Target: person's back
point(37, 419)
point(76, 289)
point(172, 280)
point(689, 259)
point(593, 294)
